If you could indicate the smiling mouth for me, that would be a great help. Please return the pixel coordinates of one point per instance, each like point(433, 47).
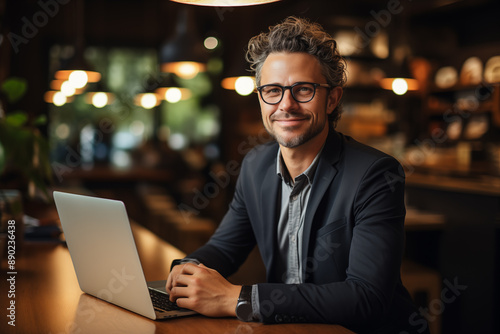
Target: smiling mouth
point(289, 118)
point(289, 121)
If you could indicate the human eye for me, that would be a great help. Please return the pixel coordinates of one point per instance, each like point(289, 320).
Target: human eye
point(304, 89)
point(272, 90)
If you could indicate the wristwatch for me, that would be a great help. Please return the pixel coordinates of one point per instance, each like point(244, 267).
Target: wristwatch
point(183, 261)
point(244, 309)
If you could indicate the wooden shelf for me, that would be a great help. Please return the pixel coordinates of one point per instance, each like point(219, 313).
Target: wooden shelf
point(489, 186)
point(445, 101)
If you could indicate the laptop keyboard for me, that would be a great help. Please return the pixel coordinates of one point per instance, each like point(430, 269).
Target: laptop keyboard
point(161, 301)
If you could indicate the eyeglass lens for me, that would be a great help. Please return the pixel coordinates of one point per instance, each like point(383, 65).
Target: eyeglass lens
point(303, 92)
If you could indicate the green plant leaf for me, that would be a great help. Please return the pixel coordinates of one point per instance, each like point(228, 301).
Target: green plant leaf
point(16, 119)
point(40, 120)
point(14, 88)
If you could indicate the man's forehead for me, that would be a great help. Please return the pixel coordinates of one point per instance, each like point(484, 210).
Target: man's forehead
point(291, 63)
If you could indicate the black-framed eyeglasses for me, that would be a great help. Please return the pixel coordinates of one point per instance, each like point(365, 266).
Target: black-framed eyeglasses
point(302, 92)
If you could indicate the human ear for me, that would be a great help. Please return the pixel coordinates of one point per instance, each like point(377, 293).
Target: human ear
point(333, 99)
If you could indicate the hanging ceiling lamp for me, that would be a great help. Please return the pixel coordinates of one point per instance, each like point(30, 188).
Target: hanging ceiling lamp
point(236, 74)
point(184, 54)
point(147, 100)
point(65, 87)
point(57, 98)
point(398, 78)
point(170, 91)
point(99, 97)
point(77, 72)
point(243, 85)
point(224, 3)
point(399, 85)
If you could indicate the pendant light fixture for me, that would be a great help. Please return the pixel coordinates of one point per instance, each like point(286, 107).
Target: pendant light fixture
point(243, 85)
point(184, 53)
point(236, 75)
point(399, 85)
point(99, 97)
point(147, 100)
point(224, 3)
point(399, 79)
point(77, 72)
point(170, 91)
point(57, 98)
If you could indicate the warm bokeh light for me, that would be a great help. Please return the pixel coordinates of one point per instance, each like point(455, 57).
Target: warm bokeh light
point(67, 88)
point(399, 86)
point(184, 69)
point(173, 94)
point(100, 99)
point(78, 79)
point(244, 85)
point(59, 99)
point(56, 97)
point(211, 43)
point(58, 84)
point(147, 100)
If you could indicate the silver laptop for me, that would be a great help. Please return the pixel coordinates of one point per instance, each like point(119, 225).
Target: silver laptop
point(105, 257)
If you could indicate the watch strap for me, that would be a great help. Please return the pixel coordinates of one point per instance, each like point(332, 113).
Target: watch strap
point(245, 294)
point(183, 261)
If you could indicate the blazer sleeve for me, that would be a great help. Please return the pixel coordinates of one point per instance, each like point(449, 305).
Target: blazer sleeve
point(375, 254)
point(233, 240)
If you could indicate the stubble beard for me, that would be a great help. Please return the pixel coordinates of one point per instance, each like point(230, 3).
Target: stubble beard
point(301, 139)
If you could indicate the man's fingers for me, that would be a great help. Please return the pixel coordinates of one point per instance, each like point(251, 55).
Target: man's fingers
point(185, 303)
point(179, 292)
point(170, 280)
point(182, 280)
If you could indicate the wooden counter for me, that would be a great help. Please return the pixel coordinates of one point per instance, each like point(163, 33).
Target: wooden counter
point(481, 185)
point(49, 300)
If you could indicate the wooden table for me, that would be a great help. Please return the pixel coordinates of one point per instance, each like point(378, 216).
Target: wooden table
point(49, 300)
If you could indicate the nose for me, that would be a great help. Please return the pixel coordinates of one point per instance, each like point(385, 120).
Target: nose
point(288, 102)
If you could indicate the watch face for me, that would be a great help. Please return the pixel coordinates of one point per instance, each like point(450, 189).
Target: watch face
point(244, 310)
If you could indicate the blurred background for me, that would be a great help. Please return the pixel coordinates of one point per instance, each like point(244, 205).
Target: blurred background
point(151, 102)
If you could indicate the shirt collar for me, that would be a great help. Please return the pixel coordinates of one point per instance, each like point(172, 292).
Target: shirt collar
point(282, 171)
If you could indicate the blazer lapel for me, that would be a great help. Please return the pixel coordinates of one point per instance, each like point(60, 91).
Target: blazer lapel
point(270, 202)
point(323, 177)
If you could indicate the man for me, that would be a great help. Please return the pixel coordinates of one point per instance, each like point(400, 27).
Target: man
point(326, 212)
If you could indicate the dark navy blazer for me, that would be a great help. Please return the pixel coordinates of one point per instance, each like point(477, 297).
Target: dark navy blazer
point(352, 243)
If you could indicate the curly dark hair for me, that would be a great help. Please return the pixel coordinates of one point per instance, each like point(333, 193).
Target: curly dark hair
point(300, 35)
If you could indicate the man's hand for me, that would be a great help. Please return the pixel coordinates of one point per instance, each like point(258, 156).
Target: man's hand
point(203, 290)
